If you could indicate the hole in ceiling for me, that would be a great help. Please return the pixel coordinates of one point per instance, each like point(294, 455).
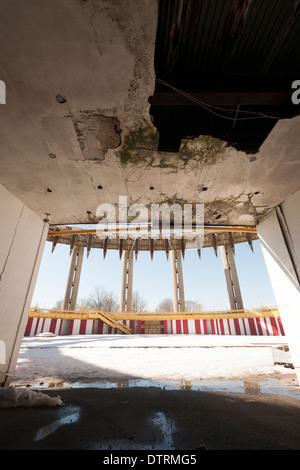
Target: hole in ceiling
point(52, 155)
point(206, 84)
point(99, 187)
point(49, 190)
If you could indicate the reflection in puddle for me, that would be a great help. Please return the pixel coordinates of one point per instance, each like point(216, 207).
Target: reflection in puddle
point(70, 415)
point(269, 385)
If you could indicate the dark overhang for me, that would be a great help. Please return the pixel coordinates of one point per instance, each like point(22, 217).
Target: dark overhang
point(225, 68)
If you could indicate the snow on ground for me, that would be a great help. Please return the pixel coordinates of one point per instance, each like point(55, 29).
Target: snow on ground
point(11, 397)
point(151, 357)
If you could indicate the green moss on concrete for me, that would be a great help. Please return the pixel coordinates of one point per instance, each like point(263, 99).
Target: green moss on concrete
point(137, 143)
point(205, 149)
point(141, 145)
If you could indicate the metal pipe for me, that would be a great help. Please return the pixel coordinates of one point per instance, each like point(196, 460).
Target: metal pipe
point(206, 228)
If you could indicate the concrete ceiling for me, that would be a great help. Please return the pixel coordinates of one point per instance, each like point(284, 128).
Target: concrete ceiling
point(76, 130)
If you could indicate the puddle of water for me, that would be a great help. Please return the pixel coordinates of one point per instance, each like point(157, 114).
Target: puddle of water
point(271, 385)
point(70, 415)
point(274, 386)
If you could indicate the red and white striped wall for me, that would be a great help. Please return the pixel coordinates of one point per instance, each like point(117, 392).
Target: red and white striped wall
point(265, 326)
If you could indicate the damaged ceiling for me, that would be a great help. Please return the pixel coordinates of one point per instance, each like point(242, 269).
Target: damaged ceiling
point(235, 58)
point(106, 99)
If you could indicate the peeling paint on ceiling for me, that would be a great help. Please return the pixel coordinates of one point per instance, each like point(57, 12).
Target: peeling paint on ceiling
point(96, 134)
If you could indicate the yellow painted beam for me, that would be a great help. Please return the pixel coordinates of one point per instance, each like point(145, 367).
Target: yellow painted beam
point(55, 314)
point(142, 229)
point(195, 316)
point(113, 317)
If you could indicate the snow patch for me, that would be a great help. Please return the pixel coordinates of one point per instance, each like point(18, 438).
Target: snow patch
point(46, 334)
point(11, 397)
point(161, 357)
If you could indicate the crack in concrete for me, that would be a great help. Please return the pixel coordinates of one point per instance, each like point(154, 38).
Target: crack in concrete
point(89, 11)
point(12, 242)
point(91, 178)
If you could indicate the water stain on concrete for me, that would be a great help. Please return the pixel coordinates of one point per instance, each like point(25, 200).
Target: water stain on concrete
point(69, 414)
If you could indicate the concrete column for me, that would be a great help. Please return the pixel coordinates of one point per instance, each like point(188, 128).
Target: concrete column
point(71, 291)
point(279, 235)
point(23, 237)
point(127, 279)
point(232, 281)
point(177, 281)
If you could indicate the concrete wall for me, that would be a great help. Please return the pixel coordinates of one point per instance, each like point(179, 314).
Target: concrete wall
point(279, 234)
point(23, 236)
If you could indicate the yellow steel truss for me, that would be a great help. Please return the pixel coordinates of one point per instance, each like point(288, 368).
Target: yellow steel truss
point(113, 318)
point(79, 315)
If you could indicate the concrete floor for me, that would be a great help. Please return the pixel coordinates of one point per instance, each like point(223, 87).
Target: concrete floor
point(154, 419)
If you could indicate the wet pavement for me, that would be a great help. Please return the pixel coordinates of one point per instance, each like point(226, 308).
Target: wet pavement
point(115, 415)
point(284, 385)
point(258, 414)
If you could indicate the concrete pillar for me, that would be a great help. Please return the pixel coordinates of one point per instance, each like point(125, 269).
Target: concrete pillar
point(177, 281)
point(279, 235)
point(127, 278)
point(23, 237)
point(72, 286)
point(232, 281)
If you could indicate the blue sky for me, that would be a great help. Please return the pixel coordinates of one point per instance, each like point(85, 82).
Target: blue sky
point(204, 279)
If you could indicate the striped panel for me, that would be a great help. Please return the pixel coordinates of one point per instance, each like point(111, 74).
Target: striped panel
point(265, 326)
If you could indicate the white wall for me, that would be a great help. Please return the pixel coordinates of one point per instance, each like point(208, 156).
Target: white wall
point(279, 234)
point(23, 237)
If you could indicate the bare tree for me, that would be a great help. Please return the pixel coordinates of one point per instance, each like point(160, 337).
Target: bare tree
point(102, 300)
point(138, 303)
point(83, 303)
point(192, 306)
point(165, 305)
point(58, 304)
